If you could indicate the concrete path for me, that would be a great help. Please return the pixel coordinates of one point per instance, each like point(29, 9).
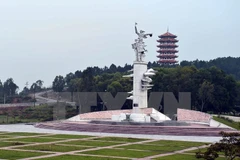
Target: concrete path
point(79, 152)
point(175, 152)
point(84, 150)
point(32, 129)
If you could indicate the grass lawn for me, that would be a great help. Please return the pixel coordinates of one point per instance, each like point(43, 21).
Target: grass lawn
point(21, 134)
point(233, 124)
point(75, 157)
point(7, 154)
point(34, 139)
point(4, 119)
point(91, 143)
point(182, 157)
point(119, 139)
point(64, 136)
point(202, 150)
point(78, 144)
point(121, 153)
point(9, 120)
point(159, 149)
point(6, 144)
point(196, 150)
point(53, 148)
point(4, 136)
point(182, 144)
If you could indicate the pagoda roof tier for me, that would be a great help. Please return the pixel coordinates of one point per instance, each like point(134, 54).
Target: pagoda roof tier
point(162, 40)
point(167, 34)
point(167, 56)
point(167, 51)
point(167, 61)
point(167, 45)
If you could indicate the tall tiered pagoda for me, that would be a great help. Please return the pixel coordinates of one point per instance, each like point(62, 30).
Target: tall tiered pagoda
point(167, 49)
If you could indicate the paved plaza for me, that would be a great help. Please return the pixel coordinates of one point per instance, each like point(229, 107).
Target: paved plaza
point(32, 129)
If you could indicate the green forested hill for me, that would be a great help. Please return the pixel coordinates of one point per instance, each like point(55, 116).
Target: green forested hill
point(230, 65)
point(214, 84)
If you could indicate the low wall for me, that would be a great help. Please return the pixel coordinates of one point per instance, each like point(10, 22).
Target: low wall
point(192, 116)
point(16, 105)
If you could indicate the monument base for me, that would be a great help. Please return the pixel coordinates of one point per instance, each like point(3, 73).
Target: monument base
point(135, 114)
point(133, 117)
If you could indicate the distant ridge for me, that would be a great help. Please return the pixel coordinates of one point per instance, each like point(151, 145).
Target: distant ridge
point(230, 65)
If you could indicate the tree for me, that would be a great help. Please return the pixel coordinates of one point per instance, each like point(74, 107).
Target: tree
point(75, 84)
point(238, 93)
point(69, 77)
point(39, 83)
point(115, 87)
point(230, 65)
point(36, 86)
point(185, 63)
point(88, 83)
point(112, 68)
point(33, 89)
point(58, 84)
point(1, 92)
point(229, 145)
point(225, 95)
point(25, 91)
point(69, 82)
point(9, 88)
point(205, 93)
point(78, 74)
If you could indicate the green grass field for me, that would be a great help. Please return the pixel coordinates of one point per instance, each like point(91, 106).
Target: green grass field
point(64, 136)
point(76, 157)
point(53, 148)
point(119, 139)
point(33, 139)
point(123, 153)
point(232, 124)
point(20, 134)
point(8, 120)
point(9, 154)
point(92, 143)
point(182, 157)
point(25, 145)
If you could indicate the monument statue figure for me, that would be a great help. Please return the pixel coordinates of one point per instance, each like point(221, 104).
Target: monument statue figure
point(141, 34)
point(139, 45)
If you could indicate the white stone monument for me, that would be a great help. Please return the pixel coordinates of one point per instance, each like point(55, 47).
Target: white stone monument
point(141, 79)
point(141, 84)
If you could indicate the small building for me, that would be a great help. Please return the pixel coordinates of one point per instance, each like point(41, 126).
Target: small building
point(167, 49)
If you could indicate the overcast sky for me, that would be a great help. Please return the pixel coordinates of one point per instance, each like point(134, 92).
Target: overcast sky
point(40, 39)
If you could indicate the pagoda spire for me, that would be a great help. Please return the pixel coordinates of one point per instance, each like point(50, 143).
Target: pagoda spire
point(167, 48)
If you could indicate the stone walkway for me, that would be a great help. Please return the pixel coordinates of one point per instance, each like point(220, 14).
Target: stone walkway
point(79, 152)
point(32, 129)
point(172, 153)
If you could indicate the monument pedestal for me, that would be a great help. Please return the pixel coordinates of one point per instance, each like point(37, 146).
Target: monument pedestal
point(138, 117)
point(139, 94)
point(133, 117)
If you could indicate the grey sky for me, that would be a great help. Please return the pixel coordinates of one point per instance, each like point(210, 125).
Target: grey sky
point(43, 38)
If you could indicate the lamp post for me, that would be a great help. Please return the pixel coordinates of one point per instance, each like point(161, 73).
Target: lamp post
point(34, 101)
point(34, 92)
